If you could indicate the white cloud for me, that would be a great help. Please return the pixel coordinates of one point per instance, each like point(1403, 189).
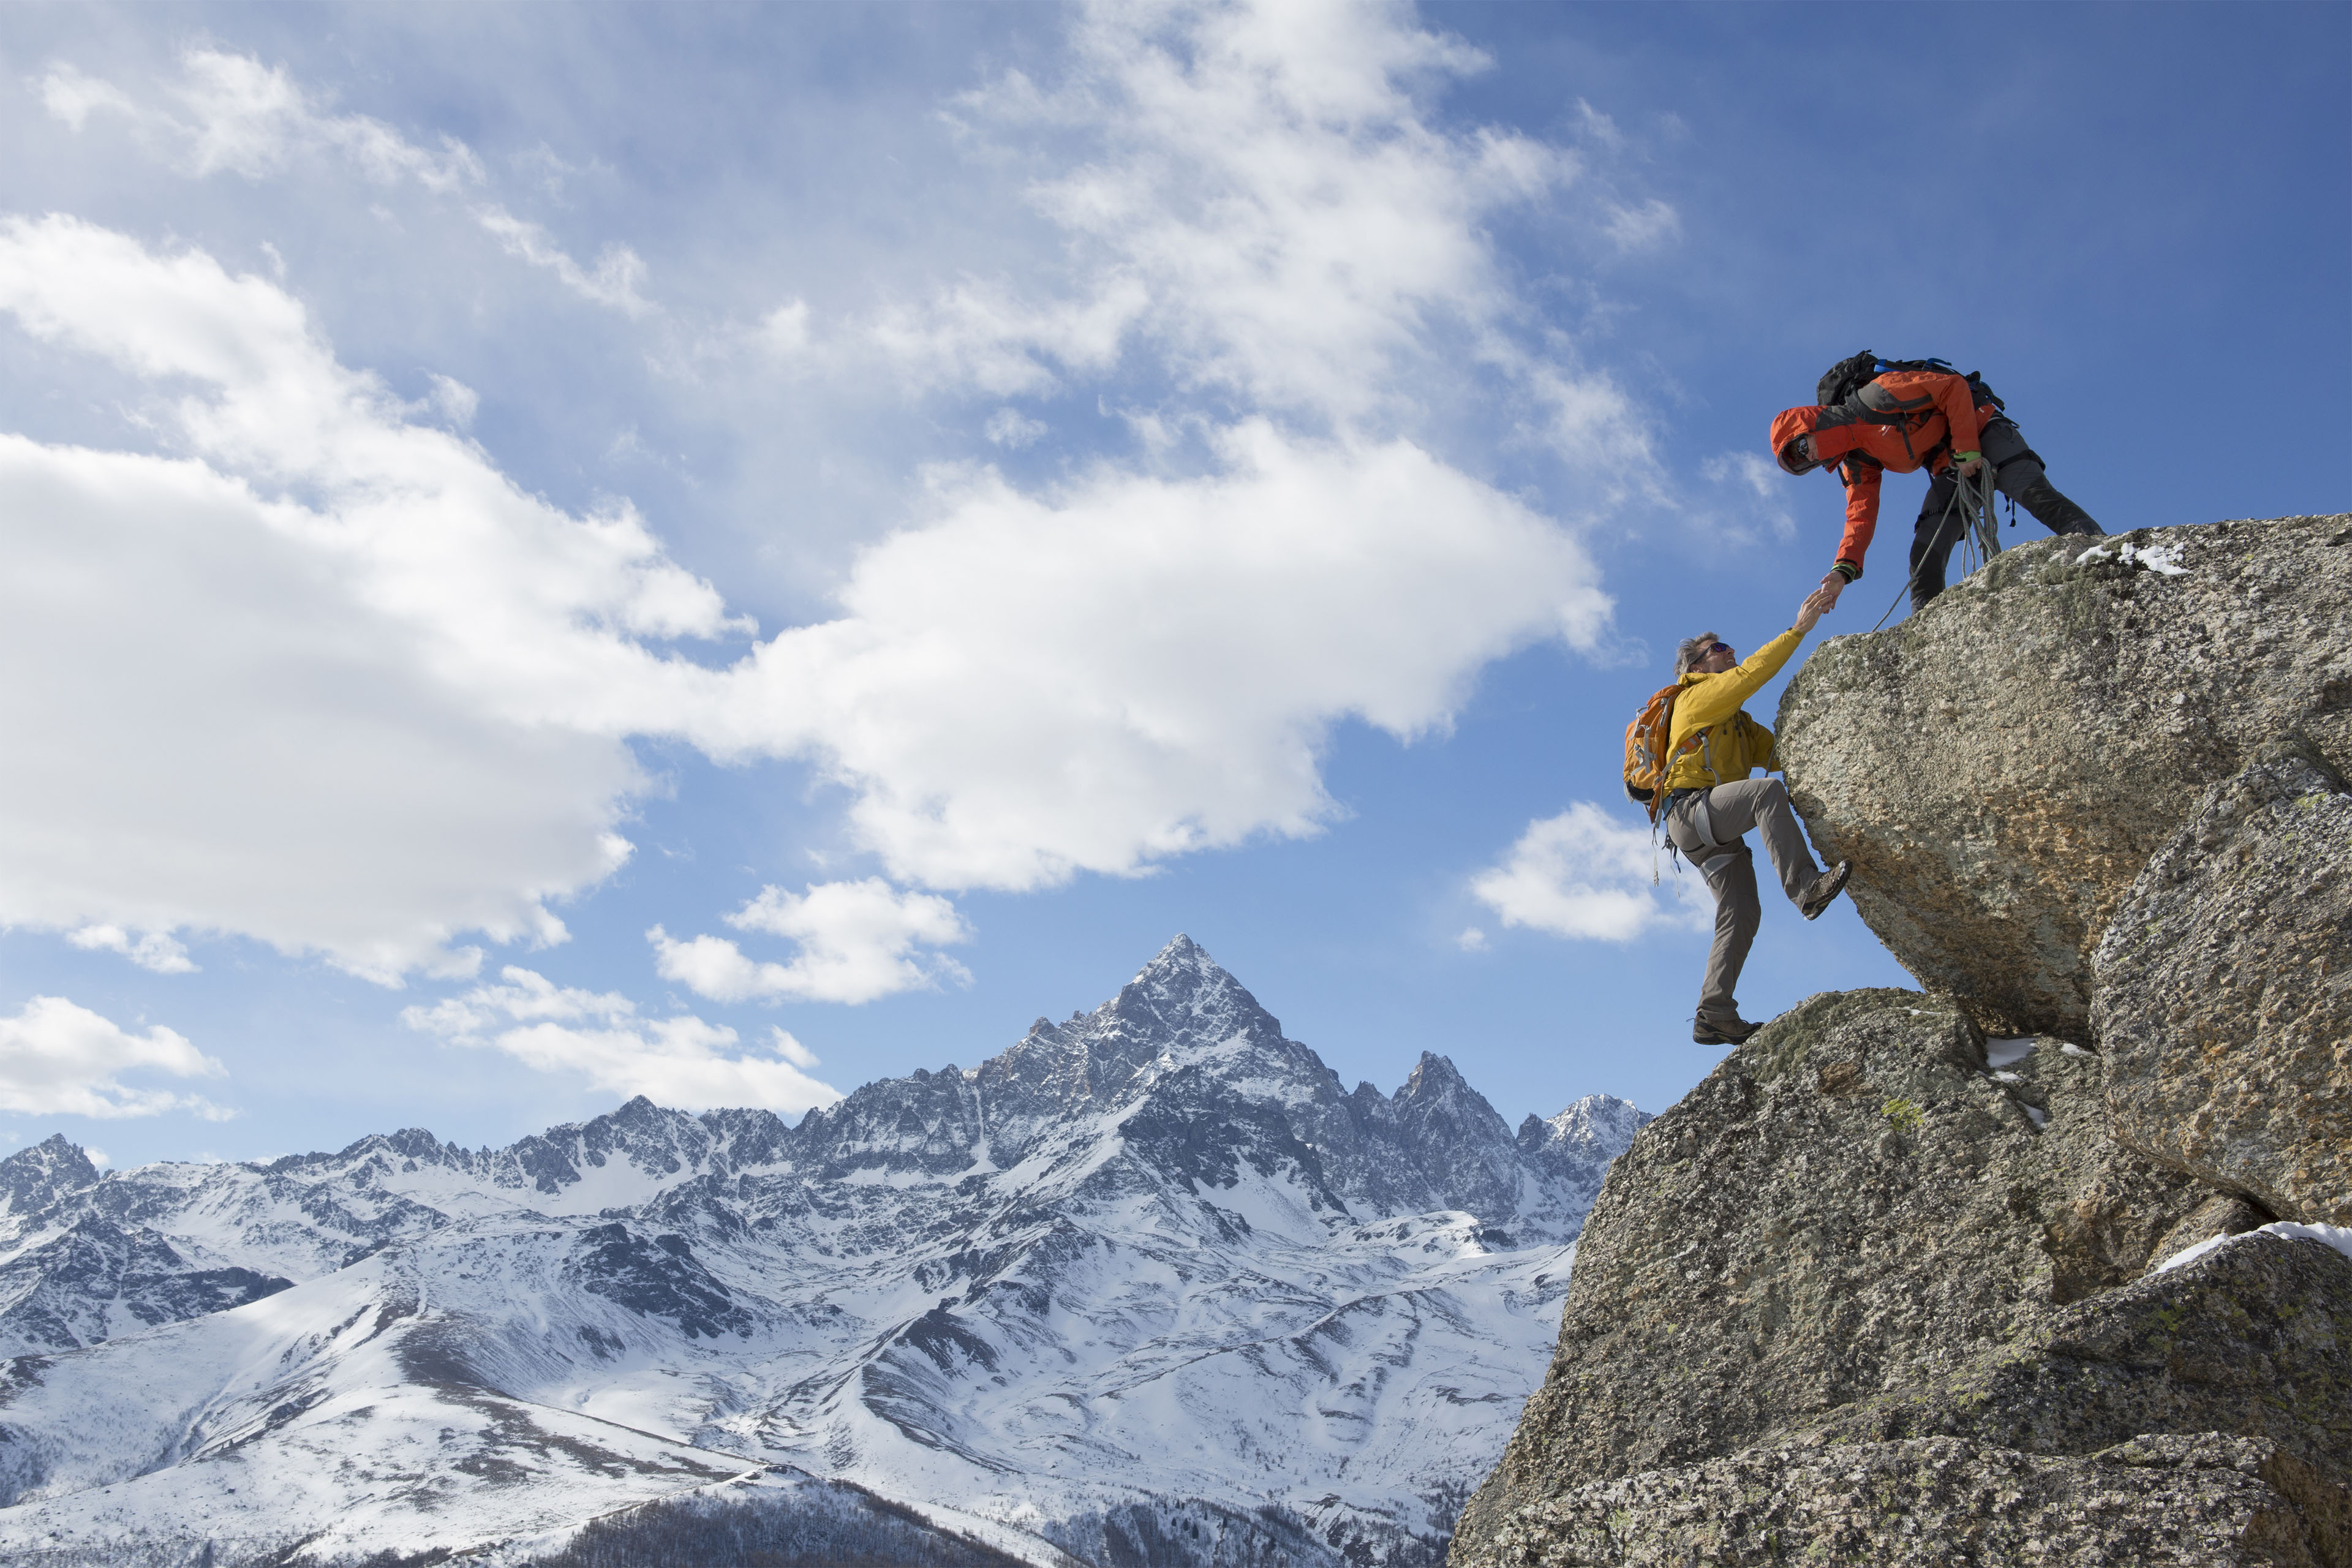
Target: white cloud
point(58, 1059)
point(1645, 227)
point(857, 942)
point(1472, 939)
point(456, 402)
point(73, 97)
point(393, 711)
point(1760, 496)
point(614, 281)
point(1136, 668)
point(230, 113)
point(1010, 427)
point(679, 1061)
point(1585, 874)
point(359, 722)
point(1262, 200)
point(785, 330)
point(790, 1049)
point(330, 678)
point(152, 950)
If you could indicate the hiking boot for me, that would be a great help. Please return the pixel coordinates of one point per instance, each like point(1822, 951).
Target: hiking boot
point(1825, 889)
point(1731, 1031)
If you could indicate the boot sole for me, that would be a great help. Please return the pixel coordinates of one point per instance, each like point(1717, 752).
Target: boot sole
point(1845, 873)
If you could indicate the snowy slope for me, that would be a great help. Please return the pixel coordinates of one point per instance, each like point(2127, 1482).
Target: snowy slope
point(1151, 1278)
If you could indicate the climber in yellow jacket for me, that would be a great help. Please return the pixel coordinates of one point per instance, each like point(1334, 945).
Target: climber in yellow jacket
point(1711, 802)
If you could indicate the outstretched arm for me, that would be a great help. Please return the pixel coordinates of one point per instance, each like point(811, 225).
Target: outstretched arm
point(1861, 524)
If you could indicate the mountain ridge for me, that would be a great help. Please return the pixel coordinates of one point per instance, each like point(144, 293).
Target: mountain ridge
point(1150, 1260)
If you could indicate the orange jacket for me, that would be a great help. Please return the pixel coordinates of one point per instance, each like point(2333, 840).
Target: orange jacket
point(1905, 420)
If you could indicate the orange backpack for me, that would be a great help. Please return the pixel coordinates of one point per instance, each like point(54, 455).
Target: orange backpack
point(1646, 762)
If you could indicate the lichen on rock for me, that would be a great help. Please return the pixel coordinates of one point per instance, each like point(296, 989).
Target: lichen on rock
point(1868, 1295)
point(2204, 1501)
point(2224, 999)
point(1777, 1247)
point(1999, 766)
point(1796, 1327)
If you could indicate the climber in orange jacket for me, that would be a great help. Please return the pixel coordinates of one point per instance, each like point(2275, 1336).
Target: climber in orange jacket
point(1912, 420)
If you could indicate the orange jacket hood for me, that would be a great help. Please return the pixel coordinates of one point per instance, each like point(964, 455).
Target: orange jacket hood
point(1787, 426)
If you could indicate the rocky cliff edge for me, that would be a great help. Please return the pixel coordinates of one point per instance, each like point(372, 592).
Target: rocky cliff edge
point(2043, 1264)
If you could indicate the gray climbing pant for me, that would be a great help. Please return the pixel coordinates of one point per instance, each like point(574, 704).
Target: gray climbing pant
point(2017, 474)
point(1730, 868)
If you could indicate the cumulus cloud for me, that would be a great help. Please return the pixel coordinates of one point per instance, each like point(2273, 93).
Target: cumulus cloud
point(413, 683)
point(327, 677)
point(1586, 875)
point(58, 1059)
point(1030, 686)
point(357, 722)
point(857, 942)
point(679, 1061)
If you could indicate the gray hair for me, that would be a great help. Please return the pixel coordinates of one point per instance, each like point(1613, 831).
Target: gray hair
point(1686, 652)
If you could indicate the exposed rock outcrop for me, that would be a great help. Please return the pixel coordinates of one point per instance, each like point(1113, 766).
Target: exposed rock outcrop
point(2000, 767)
point(1882, 1289)
point(2201, 1502)
point(1862, 1294)
point(2224, 999)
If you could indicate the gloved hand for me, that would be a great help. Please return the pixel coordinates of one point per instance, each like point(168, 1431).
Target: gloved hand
point(1966, 464)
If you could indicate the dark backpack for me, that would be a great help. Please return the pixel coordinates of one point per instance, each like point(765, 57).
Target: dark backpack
point(1850, 374)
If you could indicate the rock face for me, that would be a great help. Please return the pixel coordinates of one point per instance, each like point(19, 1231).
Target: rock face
point(1883, 1289)
point(2224, 999)
point(2202, 1501)
point(1863, 1296)
point(2001, 767)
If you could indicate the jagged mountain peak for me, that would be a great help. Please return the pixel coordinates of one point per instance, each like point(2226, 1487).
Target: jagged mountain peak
point(1184, 998)
point(1596, 1123)
point(1159, 1221)
point(1435, 1096)
point(1435, 1077)
point(1180, 1003)
point(32, 1178)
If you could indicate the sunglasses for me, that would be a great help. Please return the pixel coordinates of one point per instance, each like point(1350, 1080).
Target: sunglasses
point(1711, 650)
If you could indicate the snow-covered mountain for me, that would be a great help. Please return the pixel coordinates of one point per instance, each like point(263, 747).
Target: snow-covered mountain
point(1151, 1278)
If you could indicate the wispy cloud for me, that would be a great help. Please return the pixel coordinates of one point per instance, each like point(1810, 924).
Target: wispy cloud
point(228, 114)
point(613, 280)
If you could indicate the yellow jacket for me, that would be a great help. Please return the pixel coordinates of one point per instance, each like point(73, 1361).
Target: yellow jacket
point(1730, 743)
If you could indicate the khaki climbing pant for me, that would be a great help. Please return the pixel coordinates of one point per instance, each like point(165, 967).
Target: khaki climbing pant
point(1708, 827)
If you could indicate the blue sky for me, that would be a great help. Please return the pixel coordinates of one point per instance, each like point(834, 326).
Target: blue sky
point(734, 552)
